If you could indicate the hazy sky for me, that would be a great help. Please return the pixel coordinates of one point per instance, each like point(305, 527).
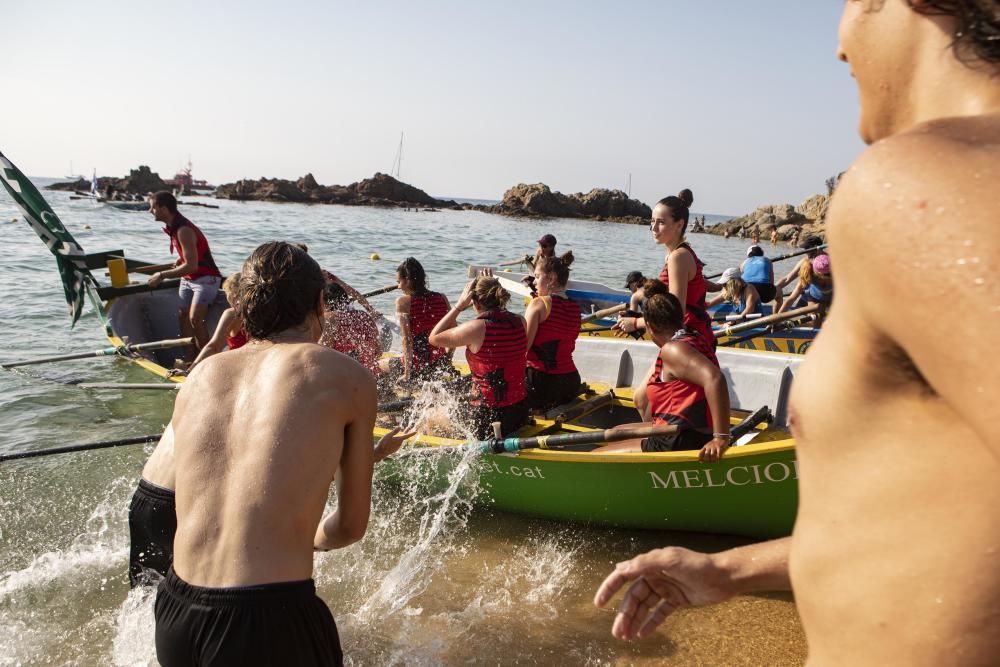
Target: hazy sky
point(743, 102)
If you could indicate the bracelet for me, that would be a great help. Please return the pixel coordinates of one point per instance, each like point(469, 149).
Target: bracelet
point(722, 435)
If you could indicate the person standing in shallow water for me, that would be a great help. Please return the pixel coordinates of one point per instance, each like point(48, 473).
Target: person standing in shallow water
point(893, 559)
point(260, 433)
point(200, 277)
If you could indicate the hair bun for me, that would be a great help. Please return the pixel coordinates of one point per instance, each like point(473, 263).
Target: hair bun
point(686, 196)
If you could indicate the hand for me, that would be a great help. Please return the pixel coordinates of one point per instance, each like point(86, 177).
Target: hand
point(465, 300)
point(624, 326)
point(390, 443)
point(663, 580)
point(155, 279)
point(713, 450)
point(174, 372)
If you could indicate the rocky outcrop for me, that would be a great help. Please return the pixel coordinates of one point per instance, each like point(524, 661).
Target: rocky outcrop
point(379, 190)
point(141, 181)
point(537, 200)
point(790, 222)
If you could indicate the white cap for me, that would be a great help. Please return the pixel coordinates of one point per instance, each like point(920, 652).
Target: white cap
point(731, 273)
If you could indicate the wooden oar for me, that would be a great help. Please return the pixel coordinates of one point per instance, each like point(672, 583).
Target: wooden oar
point(565, 413)
point(513, 262)
point(515, 444)
point(732, 342)
point(103, 444)
point(770, 319)
point(106, 352)
point(604, 313)
point(380, 290)
point(779, 258)
point(171, 386)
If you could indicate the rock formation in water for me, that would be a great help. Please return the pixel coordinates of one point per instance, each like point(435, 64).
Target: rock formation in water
point(792, 223)
point(537, 200)
point(379, 190)
point(139, 181)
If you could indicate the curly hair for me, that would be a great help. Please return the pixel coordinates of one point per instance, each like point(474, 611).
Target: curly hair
point(279, 286)
point(977, 26)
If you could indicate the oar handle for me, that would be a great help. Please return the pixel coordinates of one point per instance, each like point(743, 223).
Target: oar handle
point(106, 352)
point(160, 344)
point(104, 444)
point(770, 319)
point(171, 386)
point(513, 262)
point(380, 290)
point(604, 313)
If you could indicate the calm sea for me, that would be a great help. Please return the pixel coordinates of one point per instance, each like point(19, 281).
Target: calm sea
point(435, 581)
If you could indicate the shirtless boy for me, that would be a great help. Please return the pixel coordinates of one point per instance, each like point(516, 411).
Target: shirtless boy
point(259, 435)
point(893, 559)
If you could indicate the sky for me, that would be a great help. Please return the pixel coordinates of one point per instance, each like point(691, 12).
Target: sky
point(742, 102)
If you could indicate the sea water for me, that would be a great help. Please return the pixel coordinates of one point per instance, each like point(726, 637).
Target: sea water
point(437, 579)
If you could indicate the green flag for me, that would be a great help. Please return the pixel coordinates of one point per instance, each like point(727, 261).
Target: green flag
point(70, 258)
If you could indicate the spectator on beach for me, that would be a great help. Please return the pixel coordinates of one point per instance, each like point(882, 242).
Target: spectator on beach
point(774, 236)
point(496, 347)
point(552, 322)
point(758, 271)
point(418, 311)
point(228, 334)
point(252, 486)
point(893, 555)
point(200, 277)
point(682, 270)
point(685, 387)
point(736, 291)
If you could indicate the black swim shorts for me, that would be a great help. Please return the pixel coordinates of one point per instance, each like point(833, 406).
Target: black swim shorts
point(511, 418)
point(269, 624)
point(152, 522)
point(685, 440)
point(766, 291)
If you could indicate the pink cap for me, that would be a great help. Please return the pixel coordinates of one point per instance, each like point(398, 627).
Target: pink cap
point(821, 264)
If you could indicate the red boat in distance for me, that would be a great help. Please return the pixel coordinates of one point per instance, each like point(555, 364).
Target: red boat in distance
point(185, 184)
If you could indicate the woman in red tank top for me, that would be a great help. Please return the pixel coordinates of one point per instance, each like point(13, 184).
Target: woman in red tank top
point(348, 330)
point(495, 347)
point(228, 334)
point(553, 324)
point(684, 387)
point(418, 310)
point(681, 267)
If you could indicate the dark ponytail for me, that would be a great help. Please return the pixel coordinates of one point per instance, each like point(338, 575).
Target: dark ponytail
point(679, 207)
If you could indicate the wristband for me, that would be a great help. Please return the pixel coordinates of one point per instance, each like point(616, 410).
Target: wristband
point(723, 435)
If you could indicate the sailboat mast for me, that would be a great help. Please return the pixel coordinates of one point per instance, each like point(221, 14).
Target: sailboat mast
point(399, 156)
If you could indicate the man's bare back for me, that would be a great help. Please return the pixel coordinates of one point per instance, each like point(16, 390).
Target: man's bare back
point(261, 432)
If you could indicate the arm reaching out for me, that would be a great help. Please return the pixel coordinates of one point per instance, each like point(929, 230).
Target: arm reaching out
point(664, 580)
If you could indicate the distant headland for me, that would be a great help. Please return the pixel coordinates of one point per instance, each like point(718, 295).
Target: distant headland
point(782, 222)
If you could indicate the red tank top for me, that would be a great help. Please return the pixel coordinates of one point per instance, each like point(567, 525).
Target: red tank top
point(498, 367)
point(237, 341)
point(354, 333)
point(555, 340)
point(206, 264)
point(426, 310)
point(696, 317)
point(679, 401)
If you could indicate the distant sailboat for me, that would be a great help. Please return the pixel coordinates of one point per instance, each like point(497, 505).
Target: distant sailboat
point(398, 162)
point(72, 176)
point(93, 184)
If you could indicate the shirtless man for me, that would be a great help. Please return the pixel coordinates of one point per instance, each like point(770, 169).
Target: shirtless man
point(894, 555)
point(259, 435)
